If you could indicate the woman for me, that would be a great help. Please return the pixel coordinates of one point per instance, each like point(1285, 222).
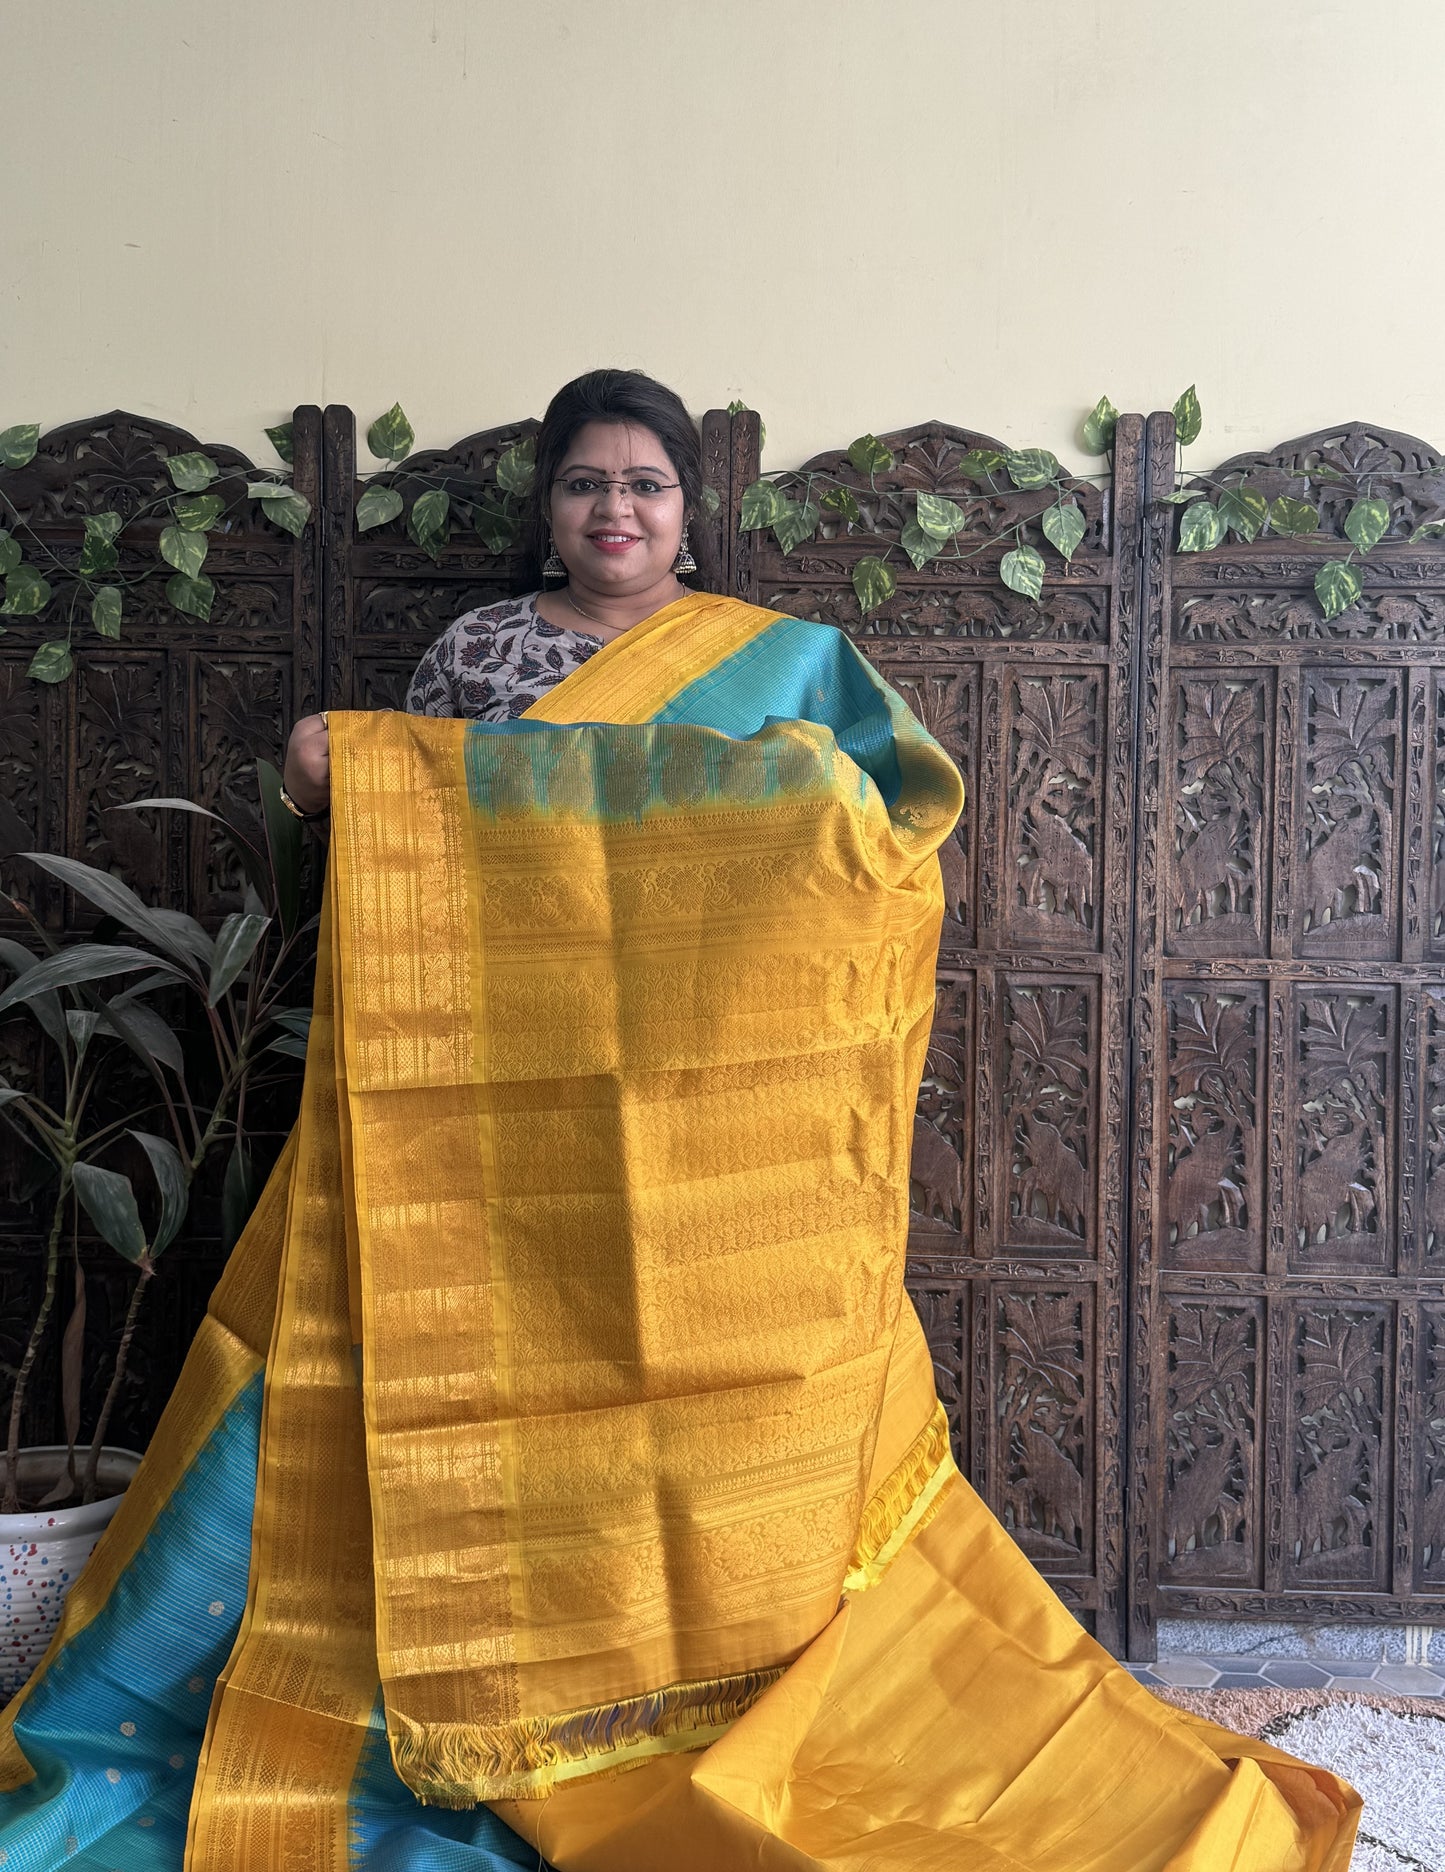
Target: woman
point(588, 1465)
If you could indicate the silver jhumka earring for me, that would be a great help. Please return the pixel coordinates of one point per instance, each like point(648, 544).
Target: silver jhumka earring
point(684, 562)
point(552, 566)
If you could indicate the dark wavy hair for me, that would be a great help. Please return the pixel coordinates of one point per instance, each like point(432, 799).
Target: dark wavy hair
point(619, 396)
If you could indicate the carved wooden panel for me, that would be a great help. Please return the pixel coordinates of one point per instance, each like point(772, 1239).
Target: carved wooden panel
point(1019, 1169)
point(1289, 1056)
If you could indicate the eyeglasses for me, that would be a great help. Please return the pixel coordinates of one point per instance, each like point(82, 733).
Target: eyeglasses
point(642, 488)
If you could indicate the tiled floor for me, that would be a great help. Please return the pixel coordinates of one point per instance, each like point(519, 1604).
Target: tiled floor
point(1235, 1672)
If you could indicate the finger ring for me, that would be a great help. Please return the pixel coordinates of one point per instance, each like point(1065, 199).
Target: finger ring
point(324, 721)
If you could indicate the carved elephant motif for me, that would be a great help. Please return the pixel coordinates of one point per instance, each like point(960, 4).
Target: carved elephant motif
point(1200, 1179)
point(936, 1175)
point(1052, 1171)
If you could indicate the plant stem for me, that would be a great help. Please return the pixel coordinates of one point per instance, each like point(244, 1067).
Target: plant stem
point(92, 1460)
point(11, 1502)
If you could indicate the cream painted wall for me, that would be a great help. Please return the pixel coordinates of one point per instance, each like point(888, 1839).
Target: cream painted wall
point(853, 213)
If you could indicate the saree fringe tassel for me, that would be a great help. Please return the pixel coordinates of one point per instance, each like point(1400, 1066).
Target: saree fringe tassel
point(559, 1471)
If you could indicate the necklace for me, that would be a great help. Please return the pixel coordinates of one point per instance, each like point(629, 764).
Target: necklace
point(567, 594)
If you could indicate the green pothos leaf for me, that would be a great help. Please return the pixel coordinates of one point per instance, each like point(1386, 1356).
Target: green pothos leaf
point(1201, 528)
point(1367, 523)
point(869, 456)
point(391, 436)
point(1032, 467)
point(939, 517)
point(517, 466)
point(197, 513)
point(194, 596)
point(1243, 511)
point(495, 527)
point(980, 464)
point(282, 441)
point(919, 545)
point(18, 444)
point(1022, 570)
point(376, 506)
point(1063, 526)
point(797, 522)
point(52, 662)
point(1293, 518)
point(843, 502)
point(1337, 586)
point(1188, 419)
point(1099, 427)
point(192, 473)
point(97, 548)
point(287, 509)
point(873, 583)
point(1428, 530)
point(426, 524)
point(26, 593)
point(105, 610)
point(184, 550)
point(10, 552)
point(762, 504)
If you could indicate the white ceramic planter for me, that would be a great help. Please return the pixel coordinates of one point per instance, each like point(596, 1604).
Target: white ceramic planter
point(41, 1553)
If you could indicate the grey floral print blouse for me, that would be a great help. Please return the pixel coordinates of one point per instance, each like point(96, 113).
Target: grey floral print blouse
point(493, 663)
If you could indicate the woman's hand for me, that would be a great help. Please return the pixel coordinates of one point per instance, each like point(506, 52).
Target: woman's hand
point(307, 772)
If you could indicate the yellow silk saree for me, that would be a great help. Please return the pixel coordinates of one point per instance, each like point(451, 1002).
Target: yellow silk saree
point(559, 1469)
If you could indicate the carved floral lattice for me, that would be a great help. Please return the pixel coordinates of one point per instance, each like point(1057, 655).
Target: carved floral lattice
point(946, 702)
point(1338, 1386)
point(937, 1181)
point(1211, 1393)
point(1042, 1427)
point(943, 1313)
point(1433, 1124)
point(1432, 1447)
point(1211, 1197)
point(1335, 467)
point(1220, 738)
point(1053, 804)
point(1048, 1100)
point(1347, 805)
point(1346, 1097)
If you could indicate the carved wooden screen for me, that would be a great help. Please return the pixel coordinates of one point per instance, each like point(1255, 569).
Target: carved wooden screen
point(1288, 1429)
point(1016, 1262)
point(175, 707)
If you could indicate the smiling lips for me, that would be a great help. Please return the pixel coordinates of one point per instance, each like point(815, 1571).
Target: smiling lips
point(613, 542)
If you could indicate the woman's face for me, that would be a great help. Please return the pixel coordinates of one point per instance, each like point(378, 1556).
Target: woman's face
point(611, 538)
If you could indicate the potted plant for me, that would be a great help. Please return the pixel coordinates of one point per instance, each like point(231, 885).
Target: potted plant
point(94, 1003)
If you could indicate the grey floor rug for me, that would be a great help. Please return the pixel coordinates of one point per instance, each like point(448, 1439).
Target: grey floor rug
point(1392, 1749)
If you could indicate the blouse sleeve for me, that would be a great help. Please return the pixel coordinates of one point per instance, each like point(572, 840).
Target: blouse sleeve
point(431, 690)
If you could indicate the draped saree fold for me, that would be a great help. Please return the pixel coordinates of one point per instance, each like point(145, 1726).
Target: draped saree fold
point(560, 1437)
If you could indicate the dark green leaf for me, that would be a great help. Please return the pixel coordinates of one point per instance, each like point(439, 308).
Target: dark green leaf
point(1428, 530)
point(288, 510)
point(376, 506)
point(184, 550)
point(26, 593)
point(82, 1023)
point(97, 549)
point(390, 436)
point(115, 899)
point(109, 1201)
point(1294, 518)
point(873, 583)
point(517, 466)
point(920, 546)
point(238, 1195)
point(426, 524)
point(1063, 526)
point(17, 445)
point(46, 1007)
point(980, 464)
point(1337, 586)
point(194, 596)
point(294, 1020)
point(869, 456)
point(283, 842)
point(52, 662)
point(290, 1045)
point(1367, 523)
point(283, 441)
point(736, 407)
point(711, 501)
point(144, 1032)
point(105, 608)
point(1180, 497)
point(192, 473)
point(1322, 471)
point(252, 859)
point(797, 522)
point(496, 528)
point(10, 553)
point(174, 1186)
point(235, 942)
point(843, 502)
point(1032, 468)
point(1188, 420)
point(1022, 570)
point(1201, 528)
point(940, 517)
point(1243, 511)
point(81, 962)
point(185, 936)
point(1099, 427)
point(762, 503)
point(197, 512)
